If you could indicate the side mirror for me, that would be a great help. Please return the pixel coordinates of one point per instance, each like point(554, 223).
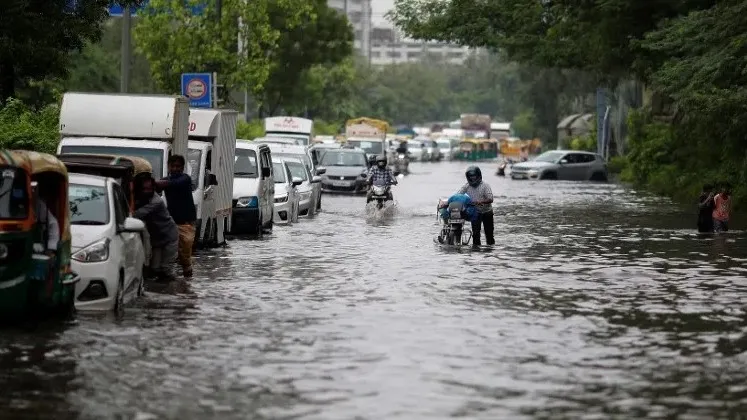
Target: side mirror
point(212, 179)
point(297, 181)
point(132, 224)
point(266, 172)
point(316, 179)
point(321, 170)
point(563, 161)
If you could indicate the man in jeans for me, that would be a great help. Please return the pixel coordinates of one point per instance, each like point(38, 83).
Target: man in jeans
point(482, 197)
point(162, 232)
point(178, 190)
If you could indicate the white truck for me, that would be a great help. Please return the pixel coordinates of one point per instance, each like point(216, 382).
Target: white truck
point(210, 158)
point(149, 126)
point(298, 129)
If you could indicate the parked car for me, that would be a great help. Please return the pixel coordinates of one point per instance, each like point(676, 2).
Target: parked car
point(432, 150)
point(347, 171)
point(253, 189)
point(107, 248)
point(306, 188)
point(303, 153)
point(287, 197)
point(566, 165)
point(444, 147)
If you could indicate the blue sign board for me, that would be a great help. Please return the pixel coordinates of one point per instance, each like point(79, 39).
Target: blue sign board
point(198, 87)
point(117, 10)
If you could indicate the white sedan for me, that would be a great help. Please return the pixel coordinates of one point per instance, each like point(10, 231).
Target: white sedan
point(287, 198)
point(107, 248)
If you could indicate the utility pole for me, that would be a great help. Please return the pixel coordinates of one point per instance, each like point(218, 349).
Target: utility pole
point(124, 81)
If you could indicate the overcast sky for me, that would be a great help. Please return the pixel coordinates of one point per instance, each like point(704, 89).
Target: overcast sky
point(380, 7)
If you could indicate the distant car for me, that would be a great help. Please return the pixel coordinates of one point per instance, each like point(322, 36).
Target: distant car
point(444, 147)
point(347, 171)
point(565, 165)
point(434, 150)
point(287, 198)
point(416, 150)
point(107, 249)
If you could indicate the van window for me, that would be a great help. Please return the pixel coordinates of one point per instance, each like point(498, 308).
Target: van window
point(246, 165)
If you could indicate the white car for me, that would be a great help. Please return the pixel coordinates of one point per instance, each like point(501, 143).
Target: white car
point(287, 198)
point(303, 153)
point(107, 247)
point(300, 172)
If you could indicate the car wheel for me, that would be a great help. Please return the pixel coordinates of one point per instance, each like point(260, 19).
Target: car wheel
point(549, 176)
point(599, 177)
point(119, 296)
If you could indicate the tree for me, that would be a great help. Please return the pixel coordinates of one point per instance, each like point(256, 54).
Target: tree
point(322, 41)
point(598, 36)
point(175, 41)
point(38, 37)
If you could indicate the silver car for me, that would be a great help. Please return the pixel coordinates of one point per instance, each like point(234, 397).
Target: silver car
point(565, 165)
point(301, 152)
point(347, 171)
point(306, 187)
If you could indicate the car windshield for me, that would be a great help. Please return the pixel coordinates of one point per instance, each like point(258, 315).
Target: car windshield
point(278, 173)
point(304, 157)
point(14, 198)
point(245, 165)
point(297, 170)
point(550, 157)
point(370, 147)
point(339, 158)
point(443, 144)
point(89, 205)
point(194, 156)
point(153, 156)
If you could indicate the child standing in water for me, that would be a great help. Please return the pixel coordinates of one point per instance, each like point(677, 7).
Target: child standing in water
point(705, 210)
point(722, 210)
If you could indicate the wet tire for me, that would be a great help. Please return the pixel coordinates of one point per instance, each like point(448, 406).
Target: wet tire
point(598, 177)
point(550, 176)
point(319, 203)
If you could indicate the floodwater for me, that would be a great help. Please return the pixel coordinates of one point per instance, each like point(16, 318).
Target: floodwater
point(596, 302)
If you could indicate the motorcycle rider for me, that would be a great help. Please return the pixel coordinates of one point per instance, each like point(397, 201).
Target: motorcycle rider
point(482, 196)
point(379, 175)
point(402, 148)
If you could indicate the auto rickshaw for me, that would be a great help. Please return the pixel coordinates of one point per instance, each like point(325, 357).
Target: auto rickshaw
point(492, 148)
point(469, 149)
point(125, 169)
point(34, 280)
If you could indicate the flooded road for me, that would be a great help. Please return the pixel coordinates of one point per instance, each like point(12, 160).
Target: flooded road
point(596, 302)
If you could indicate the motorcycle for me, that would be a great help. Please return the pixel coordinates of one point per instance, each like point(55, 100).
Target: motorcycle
point(380, 194)
point(401, 163)
point(453, 231)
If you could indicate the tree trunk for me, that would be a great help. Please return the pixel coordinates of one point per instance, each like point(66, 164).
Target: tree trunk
point(7, 80)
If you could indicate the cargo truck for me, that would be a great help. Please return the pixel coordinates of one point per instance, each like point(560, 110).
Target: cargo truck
point(298, 129)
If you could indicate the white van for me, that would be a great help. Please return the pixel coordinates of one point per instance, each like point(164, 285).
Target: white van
point(253, 189)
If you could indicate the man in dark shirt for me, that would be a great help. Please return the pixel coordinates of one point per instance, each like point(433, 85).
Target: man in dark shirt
point(705, 210)
point(178, 190)
point(163, 235)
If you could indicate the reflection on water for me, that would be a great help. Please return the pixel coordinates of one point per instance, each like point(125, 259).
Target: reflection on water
point(596, 302)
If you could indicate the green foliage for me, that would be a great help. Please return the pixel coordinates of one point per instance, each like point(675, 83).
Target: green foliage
point(39, 36)
point(24, 128)
point(587, 143)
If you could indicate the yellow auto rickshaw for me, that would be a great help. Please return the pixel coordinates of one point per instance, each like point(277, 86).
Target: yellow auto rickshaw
point(34, 280)
point(469, 149)
point(125, 169)
point(493, 148)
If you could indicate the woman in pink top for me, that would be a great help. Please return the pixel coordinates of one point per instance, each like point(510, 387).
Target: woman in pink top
point(722, 210)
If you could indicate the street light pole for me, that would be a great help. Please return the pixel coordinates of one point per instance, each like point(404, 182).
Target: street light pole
point(124, 82)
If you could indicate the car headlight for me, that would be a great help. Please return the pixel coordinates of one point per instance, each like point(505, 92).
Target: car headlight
point(247, 202)
point(305, 195)
point(281, 198)
point(532, 172)
point(96, 252)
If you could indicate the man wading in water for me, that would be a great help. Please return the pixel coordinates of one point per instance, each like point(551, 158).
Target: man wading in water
point(178, 190)
point(705, 213)
point(722, 210)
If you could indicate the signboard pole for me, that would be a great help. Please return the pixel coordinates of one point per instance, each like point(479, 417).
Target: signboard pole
point(214, 84)
point(124, 75)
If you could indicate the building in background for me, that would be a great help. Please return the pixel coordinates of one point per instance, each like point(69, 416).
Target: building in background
point(359, 14)
point(388, 46)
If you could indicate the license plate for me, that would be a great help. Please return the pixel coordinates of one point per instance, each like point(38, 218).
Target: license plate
point(340, 183)
point(455, 220)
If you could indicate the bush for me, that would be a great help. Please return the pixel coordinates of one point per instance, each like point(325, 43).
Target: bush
point(617, 164)
point(585, 143)
point(23, 128)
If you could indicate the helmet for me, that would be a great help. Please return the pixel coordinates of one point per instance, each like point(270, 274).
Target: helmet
point(474, 176)
point(381, 161)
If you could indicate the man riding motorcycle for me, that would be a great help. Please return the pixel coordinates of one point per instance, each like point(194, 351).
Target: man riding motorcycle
point(402, 148)
point(380, 175)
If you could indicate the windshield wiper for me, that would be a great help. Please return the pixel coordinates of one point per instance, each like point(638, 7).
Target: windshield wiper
point(245, 173)
point(88, 222)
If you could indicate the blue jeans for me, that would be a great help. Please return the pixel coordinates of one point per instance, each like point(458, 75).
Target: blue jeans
point(720, 225)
